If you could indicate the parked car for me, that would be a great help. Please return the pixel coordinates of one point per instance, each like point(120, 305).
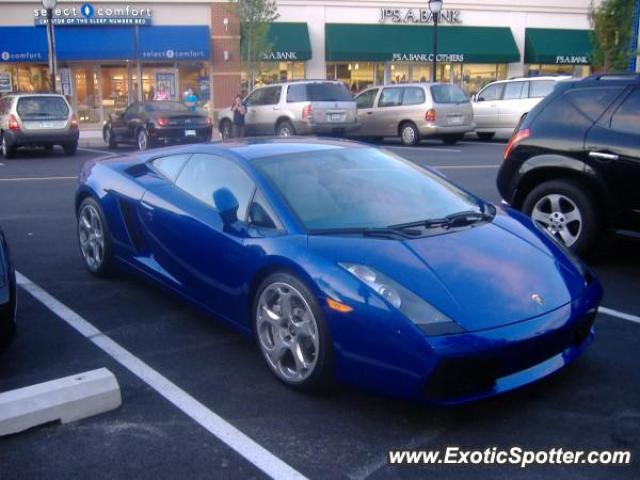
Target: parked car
point(345, 263)
point(574, 162)
point(499, 106)
point(40, 120)
point(148, 124)
point(415, 111)
point(320, 107)
point(8, 296)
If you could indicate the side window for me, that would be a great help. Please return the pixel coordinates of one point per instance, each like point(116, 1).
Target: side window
point(296, 93)
point(366, 99)
point(260, 215)
point(255, 98)
point(271, 96)
point(132, 110)
point(514, 91)
point(627, 117)
point(390, 97)
point(492, 92)
point(592, 102)
point(541, 88)
point(206, 174)
point(170, 166)
point(413, 96)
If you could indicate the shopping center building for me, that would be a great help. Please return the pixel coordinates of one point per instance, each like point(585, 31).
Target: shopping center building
point(110, 53)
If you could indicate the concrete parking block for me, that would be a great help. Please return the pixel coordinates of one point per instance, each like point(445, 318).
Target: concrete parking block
point(66, 400)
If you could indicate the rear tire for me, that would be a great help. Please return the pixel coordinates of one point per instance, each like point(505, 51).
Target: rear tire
point(486, 136)
point(409, 134)
point(70, 148)
point(8, 151)
point(567, 211)
point(107, 136)
point(452, 139)
point(275, 331)
point(94, 238)
point(142, 140)
point(285, 129)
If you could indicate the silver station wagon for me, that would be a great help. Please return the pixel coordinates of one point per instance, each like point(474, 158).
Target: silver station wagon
point(415, 111)
point(319, 107)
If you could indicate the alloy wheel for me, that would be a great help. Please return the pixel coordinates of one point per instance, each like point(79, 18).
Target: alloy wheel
point(91, 235)
point(408, 135)
point(287, 332)
point(143, 140)
point(285, 131)
point(560, 216)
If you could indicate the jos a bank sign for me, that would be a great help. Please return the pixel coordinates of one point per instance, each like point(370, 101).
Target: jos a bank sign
point(418, 15)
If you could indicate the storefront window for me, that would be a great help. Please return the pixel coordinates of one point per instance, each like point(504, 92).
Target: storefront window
point(270, 72)
point(476, 76)
point(87, 88)
point(578, 71)
point(357, 75)
point(31, 78)
point(115, 89)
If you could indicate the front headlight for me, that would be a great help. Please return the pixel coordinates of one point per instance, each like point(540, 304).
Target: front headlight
point(430, 320)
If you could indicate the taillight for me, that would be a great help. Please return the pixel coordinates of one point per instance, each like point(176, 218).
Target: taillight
point(74, 122)
point(307, 112)
point(162, 121)
point(515, 139)
point(430, 116)
point(14, 126)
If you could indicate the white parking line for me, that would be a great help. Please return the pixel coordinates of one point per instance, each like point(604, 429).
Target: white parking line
point(36, 179)
point(485, 144)
point(617, 314)
point(422, 149)
point(464, 167)
point(213, 423)
point(110, 154)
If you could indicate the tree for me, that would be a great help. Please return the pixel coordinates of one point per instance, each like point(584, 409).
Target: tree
point(612, 27)
point(255, 16)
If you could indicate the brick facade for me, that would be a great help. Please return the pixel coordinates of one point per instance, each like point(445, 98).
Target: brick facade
point(226, 74)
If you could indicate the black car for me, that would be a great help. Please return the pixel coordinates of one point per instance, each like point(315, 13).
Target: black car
point(146, 124)
point(8, 298)
point(573, 163)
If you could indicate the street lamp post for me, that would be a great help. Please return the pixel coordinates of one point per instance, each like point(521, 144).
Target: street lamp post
point(436, 7)
point(49, 5)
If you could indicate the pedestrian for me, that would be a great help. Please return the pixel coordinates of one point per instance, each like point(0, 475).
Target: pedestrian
point(161, 95)
point(190, 100)
point(239, 111)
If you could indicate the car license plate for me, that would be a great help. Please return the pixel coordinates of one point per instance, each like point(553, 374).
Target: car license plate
point(46, 124)
point(189, 133)
point(456, 120)
point(336, 117)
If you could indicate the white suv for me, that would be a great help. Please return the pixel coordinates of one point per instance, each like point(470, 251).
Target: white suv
point(499, 106)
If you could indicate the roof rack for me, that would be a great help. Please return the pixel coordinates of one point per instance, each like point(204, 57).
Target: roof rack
point(614, 76)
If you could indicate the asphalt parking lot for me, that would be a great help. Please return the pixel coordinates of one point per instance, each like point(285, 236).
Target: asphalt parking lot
point(592, 405)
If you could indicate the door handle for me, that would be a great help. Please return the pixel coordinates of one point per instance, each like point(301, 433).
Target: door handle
point(276, 108)
point(604, 156)
point(369, 113)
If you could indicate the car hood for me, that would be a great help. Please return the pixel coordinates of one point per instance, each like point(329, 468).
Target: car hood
point(482, 277)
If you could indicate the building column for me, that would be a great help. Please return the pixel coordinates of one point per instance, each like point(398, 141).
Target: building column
point(225, 73)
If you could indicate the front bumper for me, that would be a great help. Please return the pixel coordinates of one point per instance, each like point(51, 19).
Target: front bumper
point(25, 138)
point(178, 135)
point(456, 369)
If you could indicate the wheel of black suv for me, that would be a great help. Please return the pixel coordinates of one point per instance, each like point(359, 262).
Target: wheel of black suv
point(94, 238)
point(567, 211)
point(292, 334)
point(486, 136)
point(409, 134)
point(142, 140)
point(107, 136)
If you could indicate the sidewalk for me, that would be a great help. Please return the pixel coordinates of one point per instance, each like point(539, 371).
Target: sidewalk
point(92, 138)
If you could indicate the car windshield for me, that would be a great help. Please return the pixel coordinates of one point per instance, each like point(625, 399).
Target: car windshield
point(448, 94)
point(345, 188)
point(164, 107)
point(44, 107)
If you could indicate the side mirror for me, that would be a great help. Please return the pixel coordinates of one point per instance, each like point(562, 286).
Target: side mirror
point(227, 205)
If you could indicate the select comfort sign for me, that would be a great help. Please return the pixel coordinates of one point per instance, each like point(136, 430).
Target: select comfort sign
point(95, 15)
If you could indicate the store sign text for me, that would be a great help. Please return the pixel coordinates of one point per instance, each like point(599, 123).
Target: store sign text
point(428, 57)
point(418, 15)
point(174, 55)
point(571, 60)
point(87, 14)
point(21, 57)
point(280, 56)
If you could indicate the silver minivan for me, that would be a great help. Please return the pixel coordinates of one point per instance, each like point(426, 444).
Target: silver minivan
point(415, 111)
point(296, 108)
point(499, 106)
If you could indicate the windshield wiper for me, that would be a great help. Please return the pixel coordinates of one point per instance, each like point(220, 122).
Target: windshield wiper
point(460, 219)
point(367, 232)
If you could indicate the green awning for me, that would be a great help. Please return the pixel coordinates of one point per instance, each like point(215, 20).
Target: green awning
point(559, 47)
point(412, 43)
point(289, 42)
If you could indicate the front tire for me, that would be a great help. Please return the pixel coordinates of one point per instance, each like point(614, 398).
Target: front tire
point(8, 151)
point(567, 211)
point(291, 333)
point(409, 134)
point(70, 148)
point(94, 238)
point(107, 136)
point(226, 130)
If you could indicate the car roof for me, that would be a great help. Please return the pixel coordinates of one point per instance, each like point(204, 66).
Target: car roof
point(255, 148)
point(35, 94)
point(297, 82)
